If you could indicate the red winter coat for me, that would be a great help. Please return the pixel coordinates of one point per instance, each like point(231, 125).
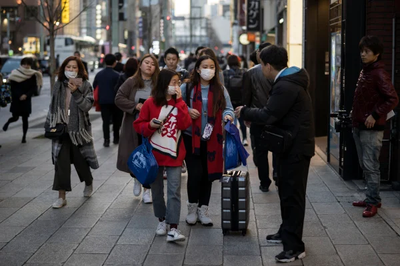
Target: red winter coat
point(168, 146)
point(374, 95)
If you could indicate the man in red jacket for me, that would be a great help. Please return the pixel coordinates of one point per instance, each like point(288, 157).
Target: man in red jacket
point(374, 98)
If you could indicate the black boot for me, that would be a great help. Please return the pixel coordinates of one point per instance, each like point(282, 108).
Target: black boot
point(23, 139)
point(106, 143)
point(5, 127)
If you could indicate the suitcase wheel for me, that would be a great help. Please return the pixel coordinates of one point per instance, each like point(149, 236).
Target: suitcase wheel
point(244, 232)
point(224, 232)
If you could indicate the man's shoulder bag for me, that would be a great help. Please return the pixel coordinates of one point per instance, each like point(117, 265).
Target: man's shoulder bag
point(275, 139)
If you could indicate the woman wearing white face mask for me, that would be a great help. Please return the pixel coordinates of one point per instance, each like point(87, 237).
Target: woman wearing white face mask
point(209, 104)
point(70, 104)
point(162, 118)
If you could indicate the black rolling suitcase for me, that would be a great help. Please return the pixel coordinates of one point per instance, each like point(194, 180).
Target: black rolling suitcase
point(235, 190)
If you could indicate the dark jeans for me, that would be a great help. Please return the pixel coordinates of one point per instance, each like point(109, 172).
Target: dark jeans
point(293, 175)
point(69, 154)
point(109, 111)
point(198, 185)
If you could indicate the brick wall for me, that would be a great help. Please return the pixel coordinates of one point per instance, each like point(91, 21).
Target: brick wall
point(379, 22)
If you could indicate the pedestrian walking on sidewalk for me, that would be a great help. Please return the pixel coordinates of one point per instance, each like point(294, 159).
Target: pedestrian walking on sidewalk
point(209, 104)
point(105, 81)
point(24, 82)
point(130, 98)
point(70, 105)
point(289, 109)
point(374, 98)
point(162, 119)
point(171, 59)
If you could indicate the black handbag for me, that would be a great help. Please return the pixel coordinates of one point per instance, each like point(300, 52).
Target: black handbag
point(275, 139)
point(56, 132)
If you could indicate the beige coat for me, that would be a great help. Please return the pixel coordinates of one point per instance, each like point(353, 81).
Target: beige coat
point(128, 141)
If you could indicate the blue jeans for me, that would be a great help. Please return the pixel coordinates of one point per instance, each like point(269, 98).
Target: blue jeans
point(368, 145)
point(172, 211)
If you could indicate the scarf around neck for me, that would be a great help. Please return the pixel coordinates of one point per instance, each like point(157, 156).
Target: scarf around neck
point(214, 144)
point(76, 121)
point(21, 74)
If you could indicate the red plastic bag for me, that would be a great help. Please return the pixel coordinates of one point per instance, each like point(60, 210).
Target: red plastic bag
point(96, 99)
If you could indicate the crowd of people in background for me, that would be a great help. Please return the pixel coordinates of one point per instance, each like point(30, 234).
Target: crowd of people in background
point(181, 108)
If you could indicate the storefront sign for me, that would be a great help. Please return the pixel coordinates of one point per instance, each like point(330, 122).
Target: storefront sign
point(65, 11)
point(253, 15)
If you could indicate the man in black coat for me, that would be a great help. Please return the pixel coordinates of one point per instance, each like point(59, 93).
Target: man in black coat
point(289, 108)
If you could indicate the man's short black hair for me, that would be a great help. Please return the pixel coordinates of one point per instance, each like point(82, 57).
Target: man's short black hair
point(171, 50)
point(276, 56)
point(373, 43)
point(263, 45)
point(77, 52)
point(110, 59)
point(198, 49)
point(27, 61)
point(118, 56)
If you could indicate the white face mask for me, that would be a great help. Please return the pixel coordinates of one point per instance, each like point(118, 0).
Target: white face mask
point(70, 74)
point(171, 90)
point(207, 74)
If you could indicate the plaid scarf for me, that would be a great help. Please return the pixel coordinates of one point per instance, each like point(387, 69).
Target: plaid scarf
point(214, 144)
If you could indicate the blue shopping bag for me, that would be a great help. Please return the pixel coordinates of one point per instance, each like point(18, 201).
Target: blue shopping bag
point(235, 154)
point(143, 164)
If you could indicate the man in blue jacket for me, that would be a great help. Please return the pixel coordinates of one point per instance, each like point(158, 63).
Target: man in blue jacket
point(289, 109)
point(106, 80)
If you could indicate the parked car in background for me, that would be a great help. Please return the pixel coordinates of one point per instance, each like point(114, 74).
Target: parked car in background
point(13, 63)
point(44, 66)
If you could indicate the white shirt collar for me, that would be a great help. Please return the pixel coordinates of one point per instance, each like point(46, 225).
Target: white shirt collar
point(280, 72)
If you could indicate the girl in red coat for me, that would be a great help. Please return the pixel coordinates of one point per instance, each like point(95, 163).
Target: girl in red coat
point(162, 118)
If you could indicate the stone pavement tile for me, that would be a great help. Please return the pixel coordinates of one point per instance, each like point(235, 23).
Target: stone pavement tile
point(69, 235)
point(74, 202)
point(30, 192)
point(144, 222)
point(346, 235)
point(358, 255)
point(125, 202)
point(270, 197)
point(2, 244)
point(30, 239)
point(355, 213)
point(7, 212)
point(82, 222)
point(136, 236)
point(385, 244)
point(242, 260)
point(328, 208)
point(204, 255)
point(267, 209)
point(9, 232)
point(391, 202)
point(97, 244)
point(91, 207)
point(26, 215)
point(390, 259)
point(62, 214)
point(375, 226)
point(113, 214)
point(268, 256)
point(14, 202)
point(3, 183)
point(10, 190)
point(313, 229)
point(164, 260)
point(243, 246)
point(9, 176)
point(322, 260)
point(392, 213)
point(53, 253)
point(319, 246)
point(86, 259)
point(310, 216)
point(13, 258)
point(321, 197)
point(268, 221)
point(312, 188)
point(161, 246)
point(108, 228)
point(127, 254)
point(206, 236)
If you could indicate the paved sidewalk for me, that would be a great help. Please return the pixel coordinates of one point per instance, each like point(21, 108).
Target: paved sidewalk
point(115, 228)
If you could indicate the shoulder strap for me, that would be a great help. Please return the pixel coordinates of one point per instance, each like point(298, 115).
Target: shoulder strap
point(187, 94)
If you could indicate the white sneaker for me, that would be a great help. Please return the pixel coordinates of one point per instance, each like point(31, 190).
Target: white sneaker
point(59, 203)
point(161, 228)
point(245, 143)
point(175, 235)
point(147, 196)
point(191, 217)
point(137, 188)
point(202, 213)
point(183, 167)
point(87, 192)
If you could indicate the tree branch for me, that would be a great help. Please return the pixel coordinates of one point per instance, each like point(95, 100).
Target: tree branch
point(37, 18)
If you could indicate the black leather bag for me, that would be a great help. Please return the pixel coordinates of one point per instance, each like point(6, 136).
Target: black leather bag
point(275, 139)
point(56, 132)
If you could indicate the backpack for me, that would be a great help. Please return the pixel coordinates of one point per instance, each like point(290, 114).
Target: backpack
point(5, 95)
point(234, 86)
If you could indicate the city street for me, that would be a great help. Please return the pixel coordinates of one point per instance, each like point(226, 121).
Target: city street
point(115, 228)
